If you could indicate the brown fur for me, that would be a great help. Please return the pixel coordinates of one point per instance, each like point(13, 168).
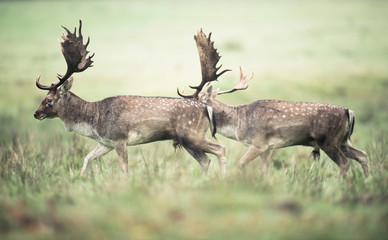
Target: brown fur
point(270, 124)
point(116, 122)
point(119, 121)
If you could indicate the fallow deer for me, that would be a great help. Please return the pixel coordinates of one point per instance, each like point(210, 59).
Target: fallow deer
point(270, 124)
point(117, 122)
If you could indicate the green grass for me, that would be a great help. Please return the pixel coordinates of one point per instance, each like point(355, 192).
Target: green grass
point(321, 51)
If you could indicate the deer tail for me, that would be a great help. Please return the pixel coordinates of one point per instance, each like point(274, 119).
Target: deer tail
point(212, 121)
point(351, 122)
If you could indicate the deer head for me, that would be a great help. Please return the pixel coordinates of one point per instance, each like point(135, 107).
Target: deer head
point(207, 92)
point(52, 103)
point(75, 54)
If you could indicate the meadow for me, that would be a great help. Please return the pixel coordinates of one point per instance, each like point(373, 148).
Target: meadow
point(315, 51)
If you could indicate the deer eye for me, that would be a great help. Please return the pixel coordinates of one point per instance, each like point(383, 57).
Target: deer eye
point(49, 102)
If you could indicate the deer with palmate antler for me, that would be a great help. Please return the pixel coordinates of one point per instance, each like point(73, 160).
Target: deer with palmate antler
point(120, 121)
point(270, 124)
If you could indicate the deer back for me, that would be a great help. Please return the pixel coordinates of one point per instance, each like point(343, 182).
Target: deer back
point(290, 123)
point(138, 119)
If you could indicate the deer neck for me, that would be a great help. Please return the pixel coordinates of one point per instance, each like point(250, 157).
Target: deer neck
point(226, 118)
point(78, 115)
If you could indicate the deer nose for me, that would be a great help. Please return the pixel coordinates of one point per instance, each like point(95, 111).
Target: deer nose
point(35, 115)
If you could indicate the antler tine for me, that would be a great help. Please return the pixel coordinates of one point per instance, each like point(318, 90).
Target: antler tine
point(183, 95)
point(242, 83)
point(40, 86)
point(87, 43)
point(67, 30)
point(209, 59)
point(210, 35)
point(224, 71)
point(79, 30)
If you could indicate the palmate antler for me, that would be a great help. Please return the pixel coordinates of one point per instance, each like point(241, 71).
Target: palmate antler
point(242, 84)
point(75, 54)
point(209, 58)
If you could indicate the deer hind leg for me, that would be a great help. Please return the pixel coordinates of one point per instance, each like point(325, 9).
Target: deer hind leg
point(201, 157)
point(99, 151)
point(265, 157)
point(121, 149)
point(338, 157)
point(356, 154)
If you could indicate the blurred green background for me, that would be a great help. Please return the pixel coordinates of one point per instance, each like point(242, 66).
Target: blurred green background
point(318, 51)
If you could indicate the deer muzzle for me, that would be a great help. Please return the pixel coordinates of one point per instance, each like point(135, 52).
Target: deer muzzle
point(39, 115)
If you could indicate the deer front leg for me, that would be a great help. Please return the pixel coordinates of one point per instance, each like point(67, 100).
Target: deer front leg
point(99, 151)
point(219, 151)
point(201, 157)
point(121, 149)
point(251, 154)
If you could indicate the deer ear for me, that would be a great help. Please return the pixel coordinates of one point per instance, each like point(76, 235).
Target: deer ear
point(206, 94)
point(214, 94)
point(65, 87)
